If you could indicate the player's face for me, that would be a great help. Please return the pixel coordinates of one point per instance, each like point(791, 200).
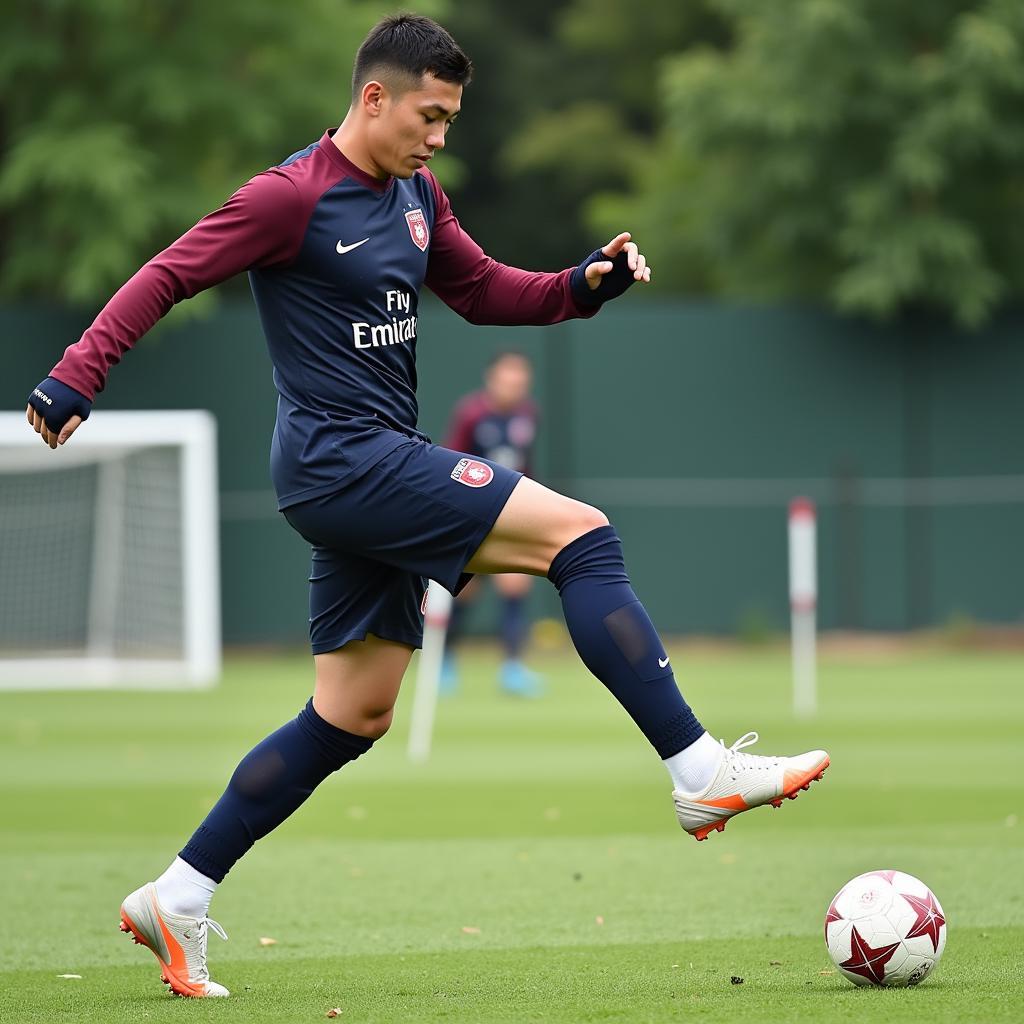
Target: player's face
point(508, 382)
point(412, 125)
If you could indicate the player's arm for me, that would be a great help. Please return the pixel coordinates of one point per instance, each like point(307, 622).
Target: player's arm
point(484, 291)
point(260, 225)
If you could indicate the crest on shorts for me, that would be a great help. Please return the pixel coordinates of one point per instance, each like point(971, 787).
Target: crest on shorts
point(418, 229)
point(472, 473)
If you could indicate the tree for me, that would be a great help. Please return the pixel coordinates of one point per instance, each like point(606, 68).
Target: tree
point(562, 105)
point(861, 152)
point(123, 122)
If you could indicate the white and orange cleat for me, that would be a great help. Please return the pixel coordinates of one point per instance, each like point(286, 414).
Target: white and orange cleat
point(744, 781)
point(179, 943)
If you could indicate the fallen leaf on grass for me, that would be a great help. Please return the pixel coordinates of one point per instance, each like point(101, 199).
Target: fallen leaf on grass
point(267, 941)
point(599, 919)
point(774, 963)
point(470, 929)
point(336, 1012)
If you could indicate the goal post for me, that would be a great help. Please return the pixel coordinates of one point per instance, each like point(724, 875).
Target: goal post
point(109, 553)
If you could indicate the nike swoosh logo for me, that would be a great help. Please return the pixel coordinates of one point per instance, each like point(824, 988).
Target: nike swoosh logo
point(662, 664)
point(342, 249)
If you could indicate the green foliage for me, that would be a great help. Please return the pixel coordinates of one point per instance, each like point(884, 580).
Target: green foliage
point(561, 107)
point(124, 122)
point(860, 152)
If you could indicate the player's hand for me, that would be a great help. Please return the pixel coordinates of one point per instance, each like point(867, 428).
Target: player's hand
point(607, 272)
point(55, 411)
point(636, 261)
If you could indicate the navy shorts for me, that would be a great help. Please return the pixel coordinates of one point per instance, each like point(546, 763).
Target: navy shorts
point(418, 514)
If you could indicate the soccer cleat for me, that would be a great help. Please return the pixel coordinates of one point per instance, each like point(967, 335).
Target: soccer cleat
point(448, 682)
point(518, 681)
point(744, 781)
point(179, 943)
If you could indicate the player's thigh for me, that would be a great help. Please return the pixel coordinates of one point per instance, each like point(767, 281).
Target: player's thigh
point(534, 525)
point(512, 584)
point(357, 685)
point(422, 509)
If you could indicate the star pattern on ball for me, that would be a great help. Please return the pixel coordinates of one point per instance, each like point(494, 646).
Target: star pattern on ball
point(929, 917)
point(888, 874)
point(868, 962)
point(832, 915)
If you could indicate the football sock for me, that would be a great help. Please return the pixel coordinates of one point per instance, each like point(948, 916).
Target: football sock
point(183, 890)
point(617, 641)
point(271, 781)
point(693, 769)
point(456, 621)
point(513, 626)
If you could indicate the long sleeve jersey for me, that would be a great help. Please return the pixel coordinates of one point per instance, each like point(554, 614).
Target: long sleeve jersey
point(336, 261)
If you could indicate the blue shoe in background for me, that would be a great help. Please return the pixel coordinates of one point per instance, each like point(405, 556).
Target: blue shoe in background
point(518, 681)
point(448, 684)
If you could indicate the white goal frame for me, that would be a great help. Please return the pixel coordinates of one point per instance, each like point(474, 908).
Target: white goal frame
point(194, 432)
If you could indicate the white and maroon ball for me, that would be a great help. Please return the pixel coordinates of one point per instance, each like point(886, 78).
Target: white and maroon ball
point(885, 928)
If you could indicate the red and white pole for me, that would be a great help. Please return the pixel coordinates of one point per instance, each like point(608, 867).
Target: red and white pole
point(803, 603)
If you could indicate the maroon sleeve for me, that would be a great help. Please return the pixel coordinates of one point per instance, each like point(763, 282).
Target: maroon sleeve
point(484, 291)
point(260, 225)
point(465, 417)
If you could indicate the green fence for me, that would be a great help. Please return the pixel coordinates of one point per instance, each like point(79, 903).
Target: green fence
point(691, 425)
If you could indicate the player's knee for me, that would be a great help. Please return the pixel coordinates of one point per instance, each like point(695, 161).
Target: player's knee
point(373, 723)
point(584, 519)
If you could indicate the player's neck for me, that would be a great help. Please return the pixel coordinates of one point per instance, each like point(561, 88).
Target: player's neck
point(349, 141)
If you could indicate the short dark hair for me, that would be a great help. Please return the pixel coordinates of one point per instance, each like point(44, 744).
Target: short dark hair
point(411, 46)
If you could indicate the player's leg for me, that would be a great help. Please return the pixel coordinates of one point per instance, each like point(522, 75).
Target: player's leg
point(513, 590)
point(354, 603)
point(542, 532)
point(449, 681)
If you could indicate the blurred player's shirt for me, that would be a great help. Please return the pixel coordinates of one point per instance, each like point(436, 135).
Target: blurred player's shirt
point(505, 437)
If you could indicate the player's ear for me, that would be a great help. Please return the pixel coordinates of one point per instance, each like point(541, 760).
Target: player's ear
point(373, 94)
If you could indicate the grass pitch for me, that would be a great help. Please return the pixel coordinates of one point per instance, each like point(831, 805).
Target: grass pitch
point(533, 870)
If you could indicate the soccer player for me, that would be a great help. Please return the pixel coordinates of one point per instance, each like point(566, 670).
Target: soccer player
point(498, 424)
point(338, 240)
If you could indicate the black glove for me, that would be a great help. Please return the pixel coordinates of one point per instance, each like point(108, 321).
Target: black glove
point(58, 403)
point(612, 285)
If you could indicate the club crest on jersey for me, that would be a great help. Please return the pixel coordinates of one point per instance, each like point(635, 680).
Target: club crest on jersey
point(472, 473)
point(418, 229)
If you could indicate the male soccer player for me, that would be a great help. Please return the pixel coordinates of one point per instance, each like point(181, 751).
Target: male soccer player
point(498, 423)
point(338, 240)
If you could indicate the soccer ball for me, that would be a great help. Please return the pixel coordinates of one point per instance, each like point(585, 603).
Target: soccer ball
point(885, 928)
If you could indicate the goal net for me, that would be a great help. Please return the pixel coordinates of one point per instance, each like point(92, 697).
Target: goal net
point(109, 565)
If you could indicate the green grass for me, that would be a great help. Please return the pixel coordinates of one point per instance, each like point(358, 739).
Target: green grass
point(533, 870)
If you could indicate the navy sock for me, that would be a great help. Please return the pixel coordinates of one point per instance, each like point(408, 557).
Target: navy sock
point(513, 626)
point(271, 782)
point(456, 623)
point(617, 641)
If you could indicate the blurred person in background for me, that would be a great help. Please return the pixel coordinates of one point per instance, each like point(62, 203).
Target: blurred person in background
point(339, 239)
point(498, 423)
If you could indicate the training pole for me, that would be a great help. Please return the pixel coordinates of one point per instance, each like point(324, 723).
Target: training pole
point(803, 604)
point(437, 610)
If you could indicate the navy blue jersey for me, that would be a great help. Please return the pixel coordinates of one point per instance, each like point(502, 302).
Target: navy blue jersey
point(336, 260)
